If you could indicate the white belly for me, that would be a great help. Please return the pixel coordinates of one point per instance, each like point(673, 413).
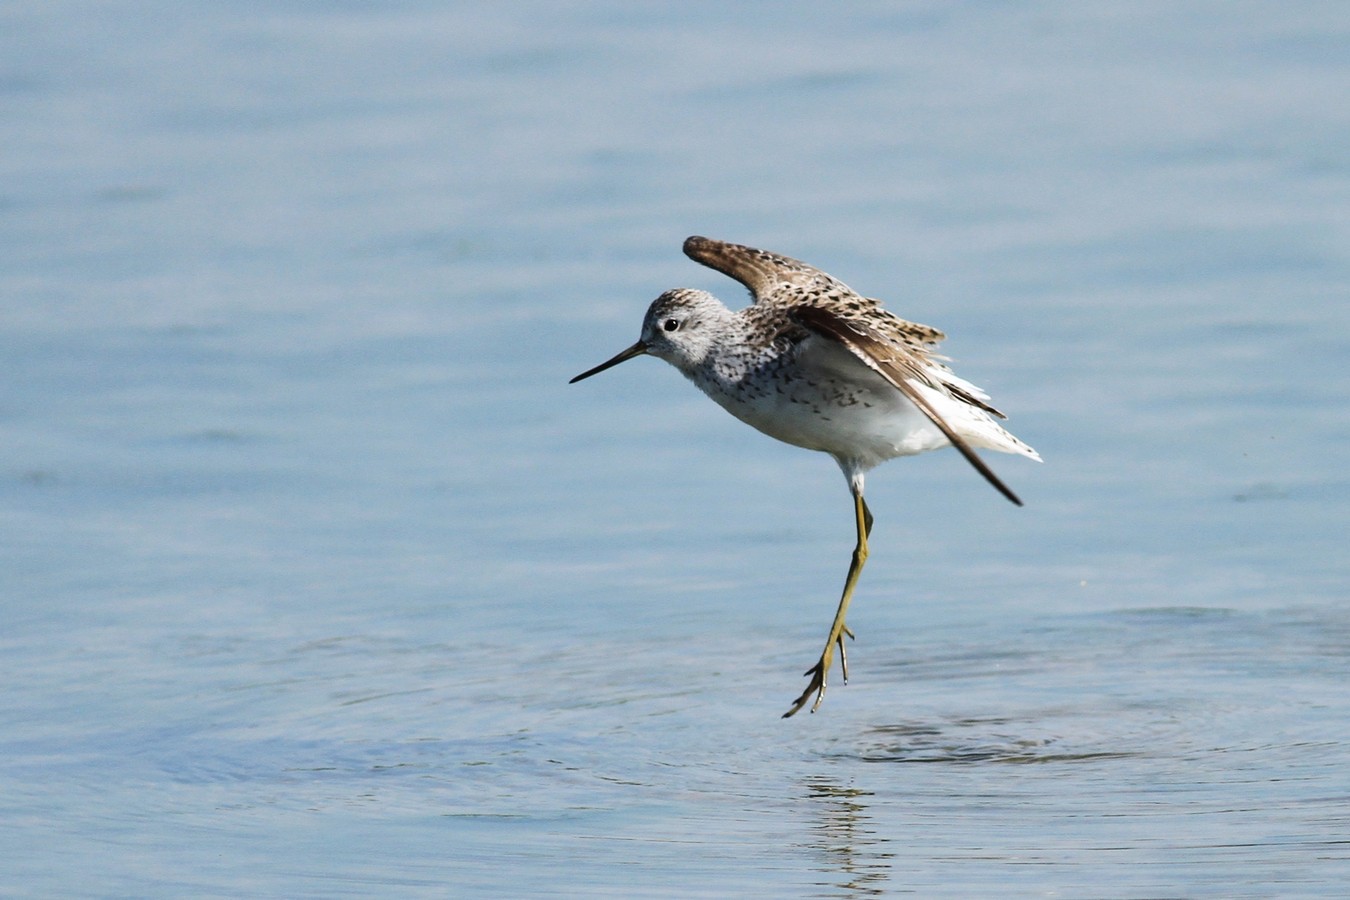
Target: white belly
point(868, 424)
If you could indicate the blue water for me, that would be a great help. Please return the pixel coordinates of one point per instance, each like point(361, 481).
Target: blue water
point(318, 579)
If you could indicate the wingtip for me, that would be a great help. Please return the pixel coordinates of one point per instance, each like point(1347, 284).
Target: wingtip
point(993, 479)
point(693, 244)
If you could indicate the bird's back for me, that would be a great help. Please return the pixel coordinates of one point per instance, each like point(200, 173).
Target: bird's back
point(850, 376)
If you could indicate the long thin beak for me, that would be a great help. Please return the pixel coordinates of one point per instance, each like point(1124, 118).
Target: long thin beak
point(636, 350)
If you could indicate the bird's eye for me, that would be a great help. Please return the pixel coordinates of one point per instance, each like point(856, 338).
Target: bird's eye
point(671, 324)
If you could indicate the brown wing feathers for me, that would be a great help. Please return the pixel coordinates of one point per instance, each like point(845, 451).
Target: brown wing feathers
point(764, 273)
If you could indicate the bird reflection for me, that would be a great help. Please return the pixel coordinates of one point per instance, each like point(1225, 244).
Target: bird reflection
point(851, 852)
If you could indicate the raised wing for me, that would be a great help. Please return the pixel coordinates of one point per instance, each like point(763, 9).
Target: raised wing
point(902, 367)
point(771, 279)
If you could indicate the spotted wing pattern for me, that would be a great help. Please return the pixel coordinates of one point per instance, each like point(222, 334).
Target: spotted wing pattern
point(772, 279)
point(781, 283)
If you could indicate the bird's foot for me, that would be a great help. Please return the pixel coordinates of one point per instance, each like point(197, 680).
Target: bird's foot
point(820, 672)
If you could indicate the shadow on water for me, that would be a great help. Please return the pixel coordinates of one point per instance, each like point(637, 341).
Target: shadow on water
point(967, 740)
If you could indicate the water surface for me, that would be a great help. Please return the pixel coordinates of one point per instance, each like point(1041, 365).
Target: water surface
point(319, 580)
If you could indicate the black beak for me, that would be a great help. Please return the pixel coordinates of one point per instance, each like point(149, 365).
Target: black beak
point(636, 350)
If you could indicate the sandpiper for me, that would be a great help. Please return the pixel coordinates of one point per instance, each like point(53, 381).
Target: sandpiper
point(816, 365)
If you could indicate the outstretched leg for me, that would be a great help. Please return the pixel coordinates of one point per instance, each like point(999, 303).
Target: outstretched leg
point(821, 670)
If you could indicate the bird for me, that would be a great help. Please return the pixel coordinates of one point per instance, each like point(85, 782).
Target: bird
point(814, 364)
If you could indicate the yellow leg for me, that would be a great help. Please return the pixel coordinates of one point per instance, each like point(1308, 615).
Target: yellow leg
point(820, 671)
